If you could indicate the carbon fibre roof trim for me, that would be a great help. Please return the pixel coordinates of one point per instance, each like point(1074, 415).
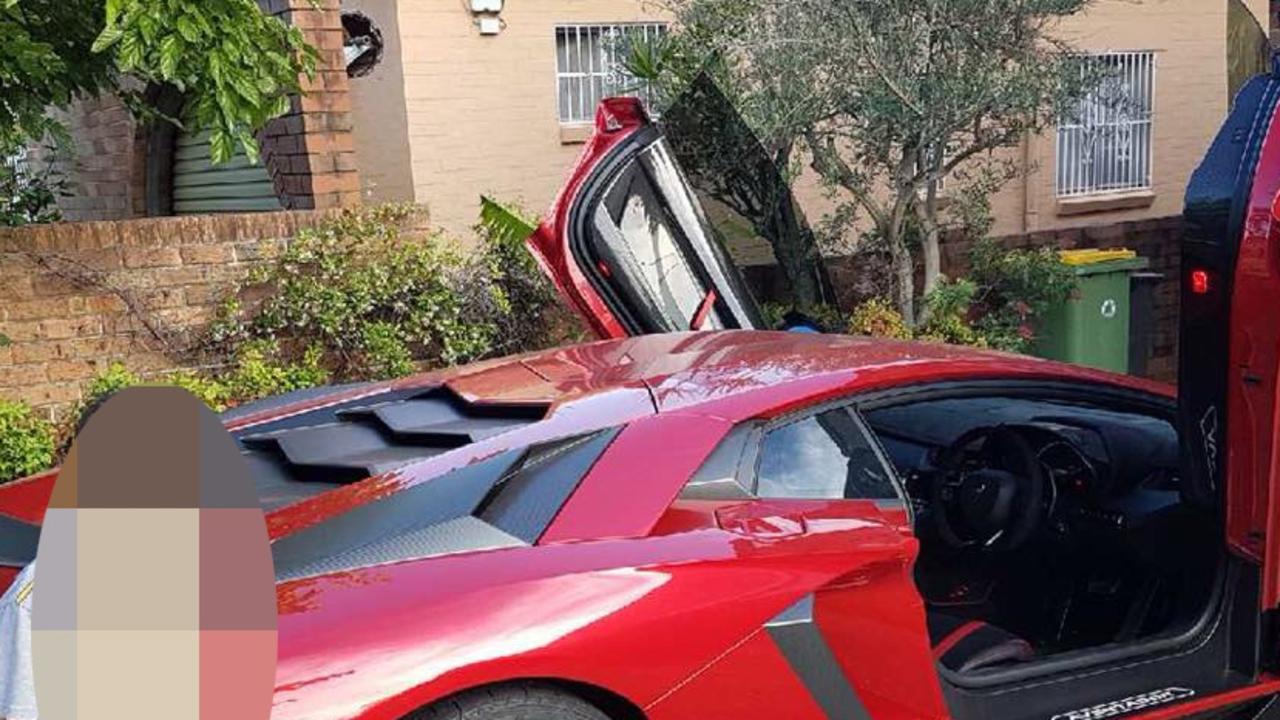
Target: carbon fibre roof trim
point(525, 504)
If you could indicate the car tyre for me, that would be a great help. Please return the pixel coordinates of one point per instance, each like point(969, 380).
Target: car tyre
point(527, 701)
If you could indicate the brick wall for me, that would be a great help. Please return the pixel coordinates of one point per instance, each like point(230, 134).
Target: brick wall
point(310, 152)
point(66, 291)
point(104, 162)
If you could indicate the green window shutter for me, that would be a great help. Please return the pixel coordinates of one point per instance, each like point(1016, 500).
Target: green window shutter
point(199, 186)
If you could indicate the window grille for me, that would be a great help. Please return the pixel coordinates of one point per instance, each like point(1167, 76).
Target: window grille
point(590, 63)
point(1104, 144)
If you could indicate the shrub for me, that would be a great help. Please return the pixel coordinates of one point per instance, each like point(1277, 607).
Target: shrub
point(1015, 288)
point(999, 306)
point(209, 390)
point(950, 306)
point(357, 297)
point(384, 351)
point(526, 307)
point(260, 371)
point(27, 443)
point(361, 297)
point(878, 317)
point(256, 373)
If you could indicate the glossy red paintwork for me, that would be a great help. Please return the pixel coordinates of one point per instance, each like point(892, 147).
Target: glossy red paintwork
point(616, 119)
point(659, 603)
point(1252, 465)
point(647, 618)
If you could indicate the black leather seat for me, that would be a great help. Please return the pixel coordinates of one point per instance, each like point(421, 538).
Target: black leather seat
point(965, 645)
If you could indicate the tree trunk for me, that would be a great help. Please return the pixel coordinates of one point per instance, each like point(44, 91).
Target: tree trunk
point(930, 249)
point(904, 270)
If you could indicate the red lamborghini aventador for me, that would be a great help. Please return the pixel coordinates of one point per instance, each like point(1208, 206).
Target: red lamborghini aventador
point(694, 518)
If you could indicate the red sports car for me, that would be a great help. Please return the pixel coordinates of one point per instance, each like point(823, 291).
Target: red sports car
point(722, 522)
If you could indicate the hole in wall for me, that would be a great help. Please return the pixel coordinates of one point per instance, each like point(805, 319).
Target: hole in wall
point(361, 43)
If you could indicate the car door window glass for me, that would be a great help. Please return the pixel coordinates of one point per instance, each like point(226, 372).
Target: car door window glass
point(646, 249)
point(823, 456)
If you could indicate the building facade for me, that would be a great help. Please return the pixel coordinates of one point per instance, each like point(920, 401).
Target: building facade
point(465, 103)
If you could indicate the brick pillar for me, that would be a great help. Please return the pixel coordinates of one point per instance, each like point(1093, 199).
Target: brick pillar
point(310, 152)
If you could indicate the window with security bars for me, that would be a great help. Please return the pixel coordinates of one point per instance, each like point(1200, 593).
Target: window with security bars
point(590, 66)
point(1104, 144)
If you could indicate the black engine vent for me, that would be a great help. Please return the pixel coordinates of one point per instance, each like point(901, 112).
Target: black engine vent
point(507, 500)
point(304, 455)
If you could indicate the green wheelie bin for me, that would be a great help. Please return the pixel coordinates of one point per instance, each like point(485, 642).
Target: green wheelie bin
point(1092, 327)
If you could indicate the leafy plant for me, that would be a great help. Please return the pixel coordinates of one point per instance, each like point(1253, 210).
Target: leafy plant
point(209, 390)
point(27, 443)
point(368, 299)
point(384, 351)
point(114, 379)
point(257, 372)
point(826, 317)
point(525, 306)
point(1015, 288)
point(950, 306)
point(235, 64)
point(30, 195)
point(999, 306)
point(505, 225)
point(878, 317)
point(261, 370)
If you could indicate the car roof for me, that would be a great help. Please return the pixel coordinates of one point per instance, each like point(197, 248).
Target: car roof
point(709, 370)
point(728, 376)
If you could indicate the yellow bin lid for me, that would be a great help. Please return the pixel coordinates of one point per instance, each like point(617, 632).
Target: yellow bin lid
point(1093, 256)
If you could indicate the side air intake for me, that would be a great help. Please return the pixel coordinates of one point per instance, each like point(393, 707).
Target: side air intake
point(507, 500)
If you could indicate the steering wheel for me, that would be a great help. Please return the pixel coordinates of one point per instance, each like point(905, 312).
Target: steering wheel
point(990, 491)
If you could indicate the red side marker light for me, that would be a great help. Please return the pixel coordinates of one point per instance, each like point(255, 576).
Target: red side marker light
point(1200, 282)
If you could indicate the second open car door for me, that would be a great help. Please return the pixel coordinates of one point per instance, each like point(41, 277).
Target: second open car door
point(1229, 360)
point(628, 242)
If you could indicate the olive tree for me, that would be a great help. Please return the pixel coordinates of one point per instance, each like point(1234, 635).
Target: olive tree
point(887, 99)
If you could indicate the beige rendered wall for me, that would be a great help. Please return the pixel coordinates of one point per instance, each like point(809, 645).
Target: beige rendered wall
point(482, 114)
point(1189, 40)
point(481, 111)
point(380, 124)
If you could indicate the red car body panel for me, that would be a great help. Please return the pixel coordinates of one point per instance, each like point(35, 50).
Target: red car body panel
point(549, 612)
point(621, 566)
point(1252, 463)
point(616, 120)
